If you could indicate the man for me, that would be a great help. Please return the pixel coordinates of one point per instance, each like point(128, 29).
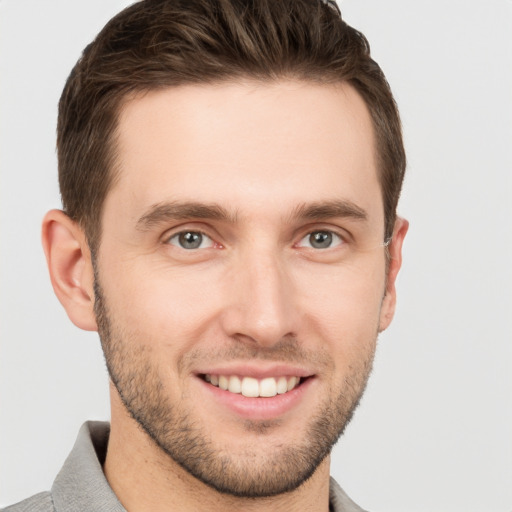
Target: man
point(230, 173)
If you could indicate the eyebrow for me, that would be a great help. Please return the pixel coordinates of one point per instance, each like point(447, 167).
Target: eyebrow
point(169, 211)
point(330, 209)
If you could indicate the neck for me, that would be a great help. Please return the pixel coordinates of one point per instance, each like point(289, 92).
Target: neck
point(144, 478)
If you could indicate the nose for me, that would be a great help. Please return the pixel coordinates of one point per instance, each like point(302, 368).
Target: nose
point(262, 301)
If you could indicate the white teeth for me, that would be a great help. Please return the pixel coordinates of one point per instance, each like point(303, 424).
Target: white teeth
point(223, 382)
point(292, 382)
point(251, 387)
point(268, 387)
point(235, 384)
point(282, 385)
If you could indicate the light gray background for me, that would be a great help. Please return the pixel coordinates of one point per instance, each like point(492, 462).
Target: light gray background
point(434, 432)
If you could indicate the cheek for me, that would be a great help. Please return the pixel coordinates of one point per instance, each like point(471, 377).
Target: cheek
point(161, 304)
point(343, 308)
point(348, 293)
point(174, 306)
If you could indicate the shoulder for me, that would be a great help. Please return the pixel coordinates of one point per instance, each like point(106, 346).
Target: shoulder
point(340, 501)
point(41, 502)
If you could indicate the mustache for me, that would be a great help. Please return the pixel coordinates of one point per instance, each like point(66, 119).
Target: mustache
point(286, 350)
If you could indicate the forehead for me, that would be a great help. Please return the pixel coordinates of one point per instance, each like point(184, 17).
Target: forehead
point(247, 145)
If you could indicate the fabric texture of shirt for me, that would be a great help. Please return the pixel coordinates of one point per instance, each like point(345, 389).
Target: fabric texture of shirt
point(81, 485)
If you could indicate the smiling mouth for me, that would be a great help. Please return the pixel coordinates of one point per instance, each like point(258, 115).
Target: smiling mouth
point(254, 388)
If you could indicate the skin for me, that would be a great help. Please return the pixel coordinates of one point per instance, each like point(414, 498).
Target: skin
point(280, 161)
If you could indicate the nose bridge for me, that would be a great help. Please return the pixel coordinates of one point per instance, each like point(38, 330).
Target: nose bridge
point(262, 297)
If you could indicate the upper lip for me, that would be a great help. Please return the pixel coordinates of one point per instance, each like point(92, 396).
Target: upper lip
point(259, 371)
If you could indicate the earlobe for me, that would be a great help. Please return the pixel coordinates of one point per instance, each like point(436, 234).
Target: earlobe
point(70, 266)
point(395, 262)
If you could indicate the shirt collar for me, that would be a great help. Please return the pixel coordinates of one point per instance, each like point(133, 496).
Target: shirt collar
point(81, 485)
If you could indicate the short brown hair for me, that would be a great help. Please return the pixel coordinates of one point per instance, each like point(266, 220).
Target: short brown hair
point(163, 43)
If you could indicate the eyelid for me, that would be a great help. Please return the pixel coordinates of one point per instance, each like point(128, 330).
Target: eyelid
point(192, 227)
point(335, 245)
point(211, 233)
point(209, 240)
point(305, 231)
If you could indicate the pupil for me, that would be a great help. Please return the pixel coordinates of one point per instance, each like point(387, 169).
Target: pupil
point(190, 240)
point(320, 239)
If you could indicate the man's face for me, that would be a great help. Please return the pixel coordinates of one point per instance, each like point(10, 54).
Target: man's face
point(242, 247)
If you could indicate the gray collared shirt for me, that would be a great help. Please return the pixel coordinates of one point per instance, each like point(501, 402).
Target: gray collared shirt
point(81, 485)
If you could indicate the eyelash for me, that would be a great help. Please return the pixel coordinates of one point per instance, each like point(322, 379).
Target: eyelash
point(332, 234)
point(335, 238)
point(191, 232)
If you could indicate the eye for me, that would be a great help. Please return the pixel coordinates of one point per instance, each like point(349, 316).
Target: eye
point(191, 240)
point(321, 239)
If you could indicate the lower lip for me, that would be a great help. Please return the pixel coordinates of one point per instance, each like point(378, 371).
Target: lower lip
point(261, 408)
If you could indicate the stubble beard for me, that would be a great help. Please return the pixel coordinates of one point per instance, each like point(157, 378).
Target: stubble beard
point(251, 474)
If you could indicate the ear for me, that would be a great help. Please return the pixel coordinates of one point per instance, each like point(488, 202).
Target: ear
point(395, 262)
point(70, 265)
